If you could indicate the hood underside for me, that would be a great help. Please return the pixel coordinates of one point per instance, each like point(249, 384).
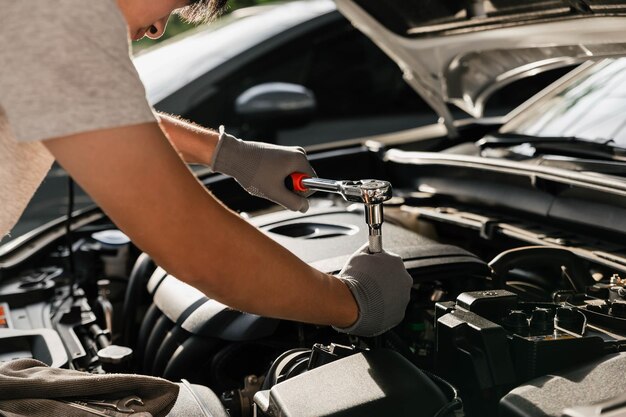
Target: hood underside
point(460, 56)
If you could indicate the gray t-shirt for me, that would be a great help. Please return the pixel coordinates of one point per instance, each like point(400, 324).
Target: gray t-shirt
point(64, 69)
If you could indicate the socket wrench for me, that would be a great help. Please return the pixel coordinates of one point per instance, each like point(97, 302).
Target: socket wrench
point(372, 193)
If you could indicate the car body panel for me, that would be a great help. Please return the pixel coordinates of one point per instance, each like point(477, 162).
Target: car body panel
point(465, 68)
point(165, 69)
point(469, 226)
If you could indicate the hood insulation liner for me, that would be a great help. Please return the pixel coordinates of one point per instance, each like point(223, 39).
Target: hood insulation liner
point(418, 18)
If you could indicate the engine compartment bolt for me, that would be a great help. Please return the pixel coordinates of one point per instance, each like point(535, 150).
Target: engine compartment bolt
point(615, 279)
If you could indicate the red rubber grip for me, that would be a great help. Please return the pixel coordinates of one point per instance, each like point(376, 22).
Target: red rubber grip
point(294, 181)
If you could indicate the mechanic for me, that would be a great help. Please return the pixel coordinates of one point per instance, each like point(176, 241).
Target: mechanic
point(69, 91)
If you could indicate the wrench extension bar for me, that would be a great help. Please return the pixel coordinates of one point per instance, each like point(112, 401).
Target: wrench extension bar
point(372, 193)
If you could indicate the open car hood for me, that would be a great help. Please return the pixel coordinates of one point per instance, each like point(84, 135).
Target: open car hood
point(460, 53)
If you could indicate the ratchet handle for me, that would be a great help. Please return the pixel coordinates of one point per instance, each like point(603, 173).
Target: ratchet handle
point(293, 181)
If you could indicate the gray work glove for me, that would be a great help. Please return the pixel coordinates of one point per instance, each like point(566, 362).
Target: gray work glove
point(381, 287)
point(261, 168)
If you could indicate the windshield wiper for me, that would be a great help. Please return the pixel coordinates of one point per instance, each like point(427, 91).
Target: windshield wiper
point(558, 145)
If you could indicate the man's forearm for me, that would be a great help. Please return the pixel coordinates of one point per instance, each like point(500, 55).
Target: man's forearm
point(195, 144)
point(255, 274)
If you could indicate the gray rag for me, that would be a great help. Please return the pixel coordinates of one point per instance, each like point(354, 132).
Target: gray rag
point(31, 388)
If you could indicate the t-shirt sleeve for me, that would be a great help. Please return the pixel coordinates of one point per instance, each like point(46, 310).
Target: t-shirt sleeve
point(65, 68)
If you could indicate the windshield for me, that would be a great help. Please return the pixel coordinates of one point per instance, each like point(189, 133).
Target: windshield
point(590, 106)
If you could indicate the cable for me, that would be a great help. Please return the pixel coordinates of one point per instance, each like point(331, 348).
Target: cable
point(450, 408)
point(68, 233)
point(456, 403)
point(69, 241)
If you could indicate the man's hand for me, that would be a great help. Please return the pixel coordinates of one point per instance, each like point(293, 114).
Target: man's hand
point(381, 287)
point(261, 168)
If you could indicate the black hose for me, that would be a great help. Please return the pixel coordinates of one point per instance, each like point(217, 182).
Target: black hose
point(576, 272)
point(134, 297)
point(270, 379)
point(68, 233)
point(100, 337)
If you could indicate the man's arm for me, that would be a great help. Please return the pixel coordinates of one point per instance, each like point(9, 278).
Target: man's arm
point(195, 144)
point(260, 168)
point(138, 179)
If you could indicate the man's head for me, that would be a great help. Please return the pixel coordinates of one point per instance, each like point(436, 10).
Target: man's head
point(149, 17)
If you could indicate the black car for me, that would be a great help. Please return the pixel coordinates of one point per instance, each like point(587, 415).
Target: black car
point(512, 228)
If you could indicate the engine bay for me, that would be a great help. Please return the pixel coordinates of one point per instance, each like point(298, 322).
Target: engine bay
point(499, 302)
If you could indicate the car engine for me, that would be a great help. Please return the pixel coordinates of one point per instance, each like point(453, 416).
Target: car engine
point(509, 315)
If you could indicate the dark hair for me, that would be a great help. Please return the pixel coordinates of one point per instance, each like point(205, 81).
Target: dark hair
point(202, 11)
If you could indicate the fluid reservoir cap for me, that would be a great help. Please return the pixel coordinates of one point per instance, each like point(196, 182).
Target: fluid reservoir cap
point(114, 354)
point(111, 237)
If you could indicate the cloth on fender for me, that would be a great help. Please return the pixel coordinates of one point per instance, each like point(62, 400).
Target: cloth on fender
point(30, 388)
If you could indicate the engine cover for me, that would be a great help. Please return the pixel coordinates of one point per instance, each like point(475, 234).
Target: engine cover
point(326, 238)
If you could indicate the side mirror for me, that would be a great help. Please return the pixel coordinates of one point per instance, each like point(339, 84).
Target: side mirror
point(272, 105)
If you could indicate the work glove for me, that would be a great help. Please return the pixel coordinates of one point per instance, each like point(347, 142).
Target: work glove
point(381, 287)
point(261, 168)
